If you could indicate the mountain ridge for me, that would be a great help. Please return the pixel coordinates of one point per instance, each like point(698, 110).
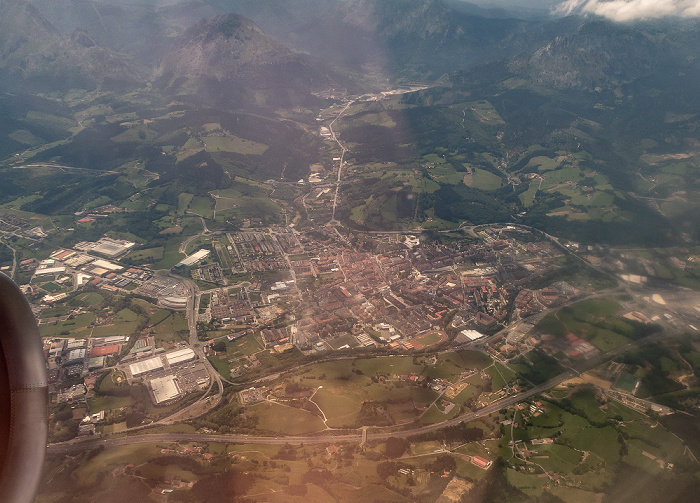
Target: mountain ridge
point(231, 60)
point(35, 56)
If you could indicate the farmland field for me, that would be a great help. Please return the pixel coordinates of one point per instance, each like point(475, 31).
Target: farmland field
point(285, 420)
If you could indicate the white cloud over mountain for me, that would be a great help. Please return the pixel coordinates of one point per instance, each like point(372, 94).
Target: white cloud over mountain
point(631, 10)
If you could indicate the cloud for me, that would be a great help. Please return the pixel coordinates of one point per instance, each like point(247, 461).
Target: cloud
point(631, 10)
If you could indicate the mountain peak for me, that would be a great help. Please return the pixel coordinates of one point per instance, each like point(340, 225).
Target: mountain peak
point(219, 47)
point(229, 59)
point(231, 25)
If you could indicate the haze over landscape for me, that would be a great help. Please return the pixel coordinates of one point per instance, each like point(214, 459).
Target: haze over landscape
point(358, 250)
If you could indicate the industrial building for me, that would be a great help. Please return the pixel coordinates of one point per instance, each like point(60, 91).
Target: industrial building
point(164, 389)
point(174, 302)
point(472, 335)
point(180, 356)
point(195, 257)
point(75, 344)
point(482, 463)
point(96, 363)
point(141, 346)
point(112, 247)
point(146, 366)
point(104, 350)
point(75, 355)
point(47, 271)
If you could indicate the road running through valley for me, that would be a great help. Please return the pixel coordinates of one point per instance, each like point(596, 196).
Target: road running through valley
point(342, 157)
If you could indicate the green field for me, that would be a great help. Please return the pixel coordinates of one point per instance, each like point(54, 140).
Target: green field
point(138, 454)
point(594, 320)
point(543, 163)
point(76, 327)
point(343, 386)
point(626, 382)
point(171, 255)
point(169, 327)
point(52, 312)
point(430, 339)
point(202, 206)
point(281, 419)
point(233, 144)
point(557, 457)
point(91, 299)
point(159, 316)
point(485, 180)
point(51, 287)
point(107, 403)
point(124, 323)
point(246, 207)
point(500, 376)
point(434, 158)
point(183, 202)
point(244, 346)
point(528, 197)
point(147, 255)
point(468, 393)
point(484, 111)
point(446, 173)
point(587, 443)
point(607, 340)
point(340, 409)
point(393, 365)
point(536, 366)
point(435, 415)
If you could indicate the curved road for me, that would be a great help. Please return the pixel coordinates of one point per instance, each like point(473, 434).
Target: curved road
point(144, 437)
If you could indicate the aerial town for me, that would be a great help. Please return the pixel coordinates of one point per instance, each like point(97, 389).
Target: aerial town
point(313, 292)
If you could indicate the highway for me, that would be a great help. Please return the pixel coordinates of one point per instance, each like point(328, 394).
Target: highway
point(359, 436)
point(144, 437)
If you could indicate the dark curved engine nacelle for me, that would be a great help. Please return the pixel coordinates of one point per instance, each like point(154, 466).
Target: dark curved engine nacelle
point(23, 397)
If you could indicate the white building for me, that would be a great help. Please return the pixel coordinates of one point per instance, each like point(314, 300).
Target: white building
point(472, 334)
point(195, 257)
point(50, 271)
point(180, 356)
point(145, 366)
point(165, 388)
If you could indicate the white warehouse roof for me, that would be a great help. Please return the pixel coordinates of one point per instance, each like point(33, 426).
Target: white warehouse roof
point(472, 334)
point(50, 270)
point(144, 366)
point(195, 257)
point(165, 388)
point(107, 265)
point(180, 356)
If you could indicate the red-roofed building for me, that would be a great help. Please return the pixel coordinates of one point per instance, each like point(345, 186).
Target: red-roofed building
point(572, 339)
point(481, 462)
point(104, 350)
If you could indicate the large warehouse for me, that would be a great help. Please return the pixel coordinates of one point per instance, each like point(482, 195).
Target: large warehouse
point(112, 247)
point(195, 257)
point(165, 388)
point(180, 356)
point(145, 366)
